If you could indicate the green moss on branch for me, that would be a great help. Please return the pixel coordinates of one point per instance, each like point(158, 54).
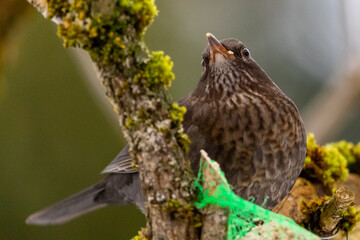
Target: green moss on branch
point(57, 8)
point(140, 236)
point(157, 72)
point(136, 83)
point(324, 164)
point(351, 152)
point(115, 39)
point(350, 219)
point(327, 215)
point(109, 39)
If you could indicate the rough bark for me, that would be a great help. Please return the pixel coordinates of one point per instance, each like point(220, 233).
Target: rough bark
point(323, 222)
point(353, 182)
point(214, 217)
point(334, 211)
point(150, 122)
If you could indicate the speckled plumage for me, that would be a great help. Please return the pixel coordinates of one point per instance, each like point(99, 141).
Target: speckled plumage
point(239, 117)
point(247, 124)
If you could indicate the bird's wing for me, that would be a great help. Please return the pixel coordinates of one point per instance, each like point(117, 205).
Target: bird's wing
point(122, 163)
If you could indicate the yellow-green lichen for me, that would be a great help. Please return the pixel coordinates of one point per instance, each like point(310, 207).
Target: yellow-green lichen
point(328, 164)
point(351, 153)
point(188, 210)
point(312, 210)
point(324, 164)
point(183, 140)
point(346, 149)
point(140, 236)
point(157, 72)
point(350, 219)
point(103, 36)
point(141, 12)
point(57, 8)
point(172, 205)
point(130, 122)
point(177, 113)
point(114, 39)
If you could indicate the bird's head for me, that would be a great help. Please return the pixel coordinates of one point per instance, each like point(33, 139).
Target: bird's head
point(228, 66)
point(229, 51)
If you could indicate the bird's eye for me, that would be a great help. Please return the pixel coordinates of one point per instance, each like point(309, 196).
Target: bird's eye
point(245, 52)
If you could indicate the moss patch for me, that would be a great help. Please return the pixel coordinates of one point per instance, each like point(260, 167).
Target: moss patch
point(140, 236)
point(351, 218)
point(109, 39)
point(176, 207)
point(57, 8)
point(351, 152)
point(114, 39)
point(313, 209)
point(157, 72)
point(324, 164)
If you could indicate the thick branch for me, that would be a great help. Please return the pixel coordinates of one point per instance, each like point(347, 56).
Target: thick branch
point(136, 84)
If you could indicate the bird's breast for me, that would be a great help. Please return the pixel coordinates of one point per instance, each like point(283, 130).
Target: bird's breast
point(258, 141)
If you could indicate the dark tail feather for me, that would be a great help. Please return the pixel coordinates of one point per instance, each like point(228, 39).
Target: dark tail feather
point(69, 208)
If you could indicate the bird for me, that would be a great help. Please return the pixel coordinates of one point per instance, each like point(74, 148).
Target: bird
point(238, 115)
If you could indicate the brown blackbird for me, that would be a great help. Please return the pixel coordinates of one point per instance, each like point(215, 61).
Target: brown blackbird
point(238, 116)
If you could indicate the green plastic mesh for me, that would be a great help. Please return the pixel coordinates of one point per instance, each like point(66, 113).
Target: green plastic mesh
point(244, 216)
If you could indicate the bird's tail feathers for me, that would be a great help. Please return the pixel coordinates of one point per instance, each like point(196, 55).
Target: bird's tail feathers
point(69, 208)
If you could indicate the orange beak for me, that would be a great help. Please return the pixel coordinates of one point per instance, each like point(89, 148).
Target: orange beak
point(217, 48)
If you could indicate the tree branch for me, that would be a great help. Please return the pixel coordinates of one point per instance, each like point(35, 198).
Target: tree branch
point(335, 209)
point(215, 218)
point(136, 84)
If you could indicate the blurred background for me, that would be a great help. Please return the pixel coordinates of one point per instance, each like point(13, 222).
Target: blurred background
point(57, 131)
